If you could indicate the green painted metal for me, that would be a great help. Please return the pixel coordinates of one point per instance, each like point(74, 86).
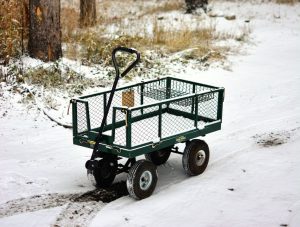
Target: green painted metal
point(196, 110)
point(128, 129)
point(220, 103)
point(193, 101)
point(113, 128)
point(74, 117)
point(160, 121)
point(105, 103)
point(185, 96)
point(87, 112)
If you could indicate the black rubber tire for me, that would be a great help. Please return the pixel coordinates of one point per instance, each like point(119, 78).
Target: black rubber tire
point(136, 174)
point(105, 172)
point(195, 157)
point(159, 157)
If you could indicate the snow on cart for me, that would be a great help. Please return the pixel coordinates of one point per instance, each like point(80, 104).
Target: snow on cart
point(146, 118)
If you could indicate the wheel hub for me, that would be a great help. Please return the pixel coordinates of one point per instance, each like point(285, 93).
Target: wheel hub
point(107, 169)
point(200, 158)
point(160, 154)
point(145, 180)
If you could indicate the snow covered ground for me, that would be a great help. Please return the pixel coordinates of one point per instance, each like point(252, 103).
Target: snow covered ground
point(253, 178)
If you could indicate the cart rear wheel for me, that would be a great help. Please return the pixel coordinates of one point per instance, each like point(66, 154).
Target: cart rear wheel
point(142, 179)
point(159, 157)
point(195, 157)
point(105, 172)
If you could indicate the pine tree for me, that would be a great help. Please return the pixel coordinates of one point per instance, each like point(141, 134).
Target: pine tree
point(87, 13)
point(44, 30)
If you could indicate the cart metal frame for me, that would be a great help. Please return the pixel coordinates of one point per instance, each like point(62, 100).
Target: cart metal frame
point(165, 100)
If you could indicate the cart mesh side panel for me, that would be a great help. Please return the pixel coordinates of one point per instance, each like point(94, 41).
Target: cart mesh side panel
point(145, 130)
point(154, 91)
point(179, 88)
point(208, 105)
point(117, 101)
point(202, 88)
point(81, 117)
point(178, 122)
point(120, 133)
point(96, 105)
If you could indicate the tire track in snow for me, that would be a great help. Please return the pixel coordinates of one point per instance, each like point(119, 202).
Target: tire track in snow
point(34, 203)
point(79, 210)
point(78, 213)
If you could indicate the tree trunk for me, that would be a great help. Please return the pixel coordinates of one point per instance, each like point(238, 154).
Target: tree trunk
point(44, 30)
point(87, 13)
point(193, 5)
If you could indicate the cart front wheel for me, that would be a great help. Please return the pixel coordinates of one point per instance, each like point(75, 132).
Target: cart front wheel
point(105, 172)
point(159, 157)
point(195, 157)
point(142, 179)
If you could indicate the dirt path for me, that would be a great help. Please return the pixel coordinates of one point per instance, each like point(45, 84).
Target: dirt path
point(79, 208)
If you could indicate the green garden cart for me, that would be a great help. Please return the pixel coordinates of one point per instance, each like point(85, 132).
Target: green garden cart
point(147, 118)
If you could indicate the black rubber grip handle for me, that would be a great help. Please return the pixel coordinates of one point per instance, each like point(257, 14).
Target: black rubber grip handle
point(127, 50)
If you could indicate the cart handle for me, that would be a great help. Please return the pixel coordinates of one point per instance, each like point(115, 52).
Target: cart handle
point(127, 50)
point(113, 89)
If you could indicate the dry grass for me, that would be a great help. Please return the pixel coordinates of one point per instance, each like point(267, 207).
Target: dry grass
point(241, 36)
point(119, 24)
point(165, 7)
point(97, 48)
point(130, 28)
point(177, 40)
point(54, 77)
point(288, 2)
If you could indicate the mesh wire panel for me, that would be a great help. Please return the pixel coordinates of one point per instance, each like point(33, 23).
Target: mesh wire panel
point(117, 101)
point(81, 117)
point(172, 124)
point(154, 91)
point(201, 88)
point(145, 130)
point(184, 105)
point(179, 88)
point(96, 105)
point(120, 133)
point(208, 105)
point(127, 97)
point(142, 131)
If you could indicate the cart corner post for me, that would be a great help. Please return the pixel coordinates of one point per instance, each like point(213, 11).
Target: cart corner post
point(220, 103)
point(74, 116)
point(87, 112)
point(113, 131)
point(168, 87)
point(128, 128)
point(160, 121)
point(104, 104)
point(195, 100)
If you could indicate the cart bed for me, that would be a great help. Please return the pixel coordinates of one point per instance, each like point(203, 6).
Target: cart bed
point(148, 116)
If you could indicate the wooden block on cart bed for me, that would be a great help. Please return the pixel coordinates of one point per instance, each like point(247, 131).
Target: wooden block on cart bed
point(128, 98)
